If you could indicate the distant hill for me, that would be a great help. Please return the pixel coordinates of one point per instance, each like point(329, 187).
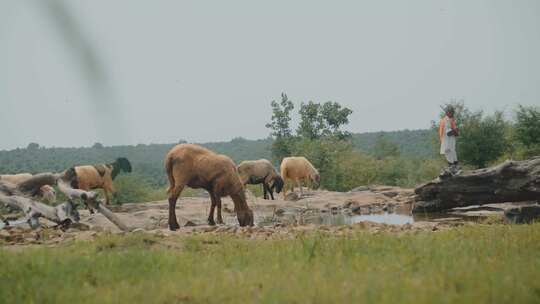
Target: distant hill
point(411, 143)
point(147, 160)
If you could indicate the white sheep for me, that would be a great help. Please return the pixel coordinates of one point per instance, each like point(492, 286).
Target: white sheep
point(298, 169)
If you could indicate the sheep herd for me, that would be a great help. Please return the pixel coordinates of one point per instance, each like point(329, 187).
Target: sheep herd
point(196, 167)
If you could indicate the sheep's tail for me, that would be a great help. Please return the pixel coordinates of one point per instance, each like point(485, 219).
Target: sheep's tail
point(169, 162)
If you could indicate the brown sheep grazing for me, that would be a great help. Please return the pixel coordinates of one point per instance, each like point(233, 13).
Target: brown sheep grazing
point(261, 171)
point(197, 167)
point(97, 176)
point(299, 169)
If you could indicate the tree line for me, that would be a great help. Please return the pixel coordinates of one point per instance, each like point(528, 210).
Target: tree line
point(345, 160)
point(319, 136)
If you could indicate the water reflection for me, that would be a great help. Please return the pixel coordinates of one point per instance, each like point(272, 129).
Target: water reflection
point(338, 218)
point(344, 219)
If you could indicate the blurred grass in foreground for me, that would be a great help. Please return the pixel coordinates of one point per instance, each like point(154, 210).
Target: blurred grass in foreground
point(472, 264)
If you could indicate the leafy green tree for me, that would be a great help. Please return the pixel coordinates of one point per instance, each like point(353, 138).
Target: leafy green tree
point(483, 138)
point(312, 124)
point(281, 117)
point(527, 129)
point(97, 146)
point(280, 127)
point(384, 148)
point(317, 121)
point(335, 116)
point(321, 140)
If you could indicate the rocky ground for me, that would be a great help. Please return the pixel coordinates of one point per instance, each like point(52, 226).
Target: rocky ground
point(316, 211)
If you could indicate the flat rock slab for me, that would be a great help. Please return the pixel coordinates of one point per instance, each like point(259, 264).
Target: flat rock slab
point(523, 214)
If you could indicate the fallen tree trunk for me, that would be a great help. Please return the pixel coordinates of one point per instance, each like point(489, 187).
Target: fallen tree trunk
point(90, 199)
point(511, 181)
point(62, 214)
point(15, 196)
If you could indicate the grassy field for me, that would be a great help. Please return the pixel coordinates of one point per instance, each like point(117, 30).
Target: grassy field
point(471, 264)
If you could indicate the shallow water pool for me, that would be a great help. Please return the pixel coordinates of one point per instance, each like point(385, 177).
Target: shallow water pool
point(343, 219)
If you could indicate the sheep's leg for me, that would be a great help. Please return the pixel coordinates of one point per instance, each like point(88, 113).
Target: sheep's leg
point(299, 184)
point(264, 190)
point(211, 221)
point(219, 218)
point(271, 191)
point(108, 189)
point(173, 197)
point(284, 190)
point(106, 194)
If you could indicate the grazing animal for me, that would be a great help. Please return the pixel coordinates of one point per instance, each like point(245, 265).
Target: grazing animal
point(197, 167)
point(261, 171)
point(91, 177)
point(299, 169)
point(47, 192)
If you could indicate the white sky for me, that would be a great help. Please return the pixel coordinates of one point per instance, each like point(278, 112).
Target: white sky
point(207, 70)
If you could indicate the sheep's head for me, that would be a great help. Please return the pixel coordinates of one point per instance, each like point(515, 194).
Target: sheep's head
point(124, 164)
point(48, 193)
point(121, 164)
point(278, 184)
point(245, 217)
point(315, 180)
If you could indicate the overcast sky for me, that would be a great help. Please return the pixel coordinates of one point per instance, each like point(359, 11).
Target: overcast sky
point(161, 71)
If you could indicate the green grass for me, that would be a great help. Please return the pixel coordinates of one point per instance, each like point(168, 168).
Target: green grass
point(472, 264)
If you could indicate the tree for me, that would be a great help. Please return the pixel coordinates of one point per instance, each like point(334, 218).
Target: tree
point(482, 138)
point(281, 117)
point(280, 127)
point(326, 120)
point(32, 146)
point(98, 146)
point(384, 148)
point(312, 124)
point(335, 117)
point(527, 128)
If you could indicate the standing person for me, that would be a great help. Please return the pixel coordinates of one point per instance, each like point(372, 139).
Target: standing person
point(448, 132)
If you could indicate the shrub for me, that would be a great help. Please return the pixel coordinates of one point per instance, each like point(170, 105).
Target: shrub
point(134, 189)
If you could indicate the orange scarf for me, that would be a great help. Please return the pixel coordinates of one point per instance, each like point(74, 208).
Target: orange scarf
point(442, 127)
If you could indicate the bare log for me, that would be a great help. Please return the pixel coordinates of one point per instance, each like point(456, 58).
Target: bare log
point(72, 193)
point(62, 214)
point(112, 217)
point(511, 181)
point(14, 196)
point(91, 200)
